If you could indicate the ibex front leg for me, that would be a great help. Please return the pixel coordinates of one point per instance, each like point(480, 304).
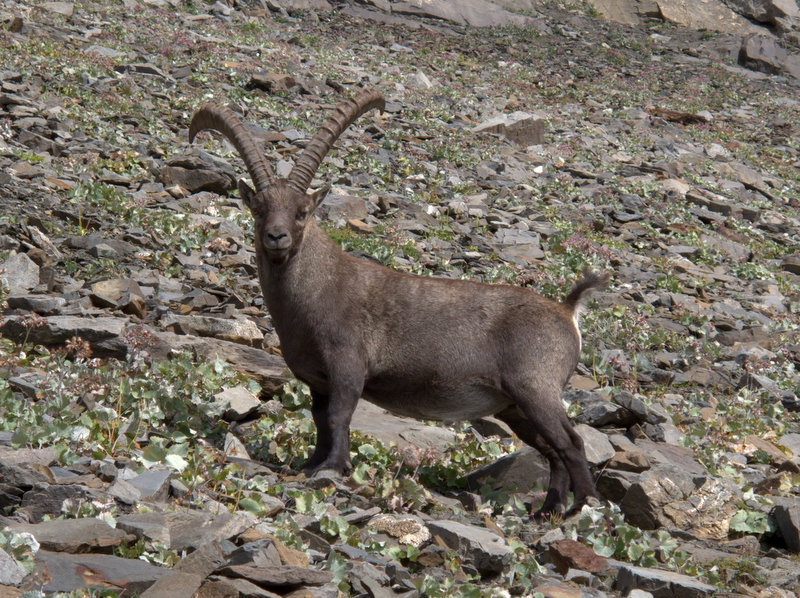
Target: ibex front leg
point(319, 410)
point(332, 414)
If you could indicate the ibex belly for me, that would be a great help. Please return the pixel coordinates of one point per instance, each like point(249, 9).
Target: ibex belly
point(463, 402)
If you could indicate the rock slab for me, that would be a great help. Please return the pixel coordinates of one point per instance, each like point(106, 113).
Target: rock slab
point(661, 584)
point(62, 572)
point(487, 551)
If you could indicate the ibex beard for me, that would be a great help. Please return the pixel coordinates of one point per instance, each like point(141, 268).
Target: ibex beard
point(429, 348)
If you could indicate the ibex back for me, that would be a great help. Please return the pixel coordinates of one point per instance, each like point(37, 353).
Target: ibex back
point(429, 348)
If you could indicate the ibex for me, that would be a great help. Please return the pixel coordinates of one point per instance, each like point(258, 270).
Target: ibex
point(428, 348)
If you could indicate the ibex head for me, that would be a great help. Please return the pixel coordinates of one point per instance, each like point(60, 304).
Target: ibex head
point(282, 208)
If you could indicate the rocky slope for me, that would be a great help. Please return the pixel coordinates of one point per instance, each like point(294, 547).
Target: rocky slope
point(151, 431)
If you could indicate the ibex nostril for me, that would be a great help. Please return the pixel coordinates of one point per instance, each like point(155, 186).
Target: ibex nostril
point(279, 240)
point(424, 347)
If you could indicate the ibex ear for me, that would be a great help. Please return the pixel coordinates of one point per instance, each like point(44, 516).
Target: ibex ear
point(246, 193)
point(318, 196)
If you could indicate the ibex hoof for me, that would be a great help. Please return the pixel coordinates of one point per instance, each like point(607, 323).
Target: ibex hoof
point(326, 474)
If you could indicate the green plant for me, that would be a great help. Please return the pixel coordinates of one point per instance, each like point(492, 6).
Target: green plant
point(752, 522)
point(728, 573)
point(669, 283)
point(738, 416)
point(28, 156)
point(752, 271)
point(156, 553)
point(604, 529)
point(173, 231)
point(22, 547)
point(169, 402)
point(370, 244)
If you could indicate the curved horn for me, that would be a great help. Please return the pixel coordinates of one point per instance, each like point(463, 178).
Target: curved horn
point(343, 116)
point(222, 119)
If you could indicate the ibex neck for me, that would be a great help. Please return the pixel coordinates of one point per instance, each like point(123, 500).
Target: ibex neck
point(304, 276)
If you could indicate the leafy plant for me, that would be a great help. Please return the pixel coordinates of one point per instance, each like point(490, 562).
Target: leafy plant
point(606, 532)
point(370, 244)
point(28, 156)
point(22, 547)
point(751, 522)
point(172, 230)
point(105, 406)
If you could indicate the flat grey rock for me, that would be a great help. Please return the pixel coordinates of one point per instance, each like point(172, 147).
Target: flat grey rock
point(11, 574)
point(477, 13)
point(596, 445)
point(237, 402)
point(104, 334)
point(522, 470)
point(388, 428)
point(74, 535)
point(62, 572)
point(282, 578)
point(661, 584)
point(20, 273)
point(484, 549)
point(268, 370)
point(48, 501)
point(786, 514)
point(41, 304)
point(174, 584)
point(240, 330)
point(152, 485)
point(186, 529)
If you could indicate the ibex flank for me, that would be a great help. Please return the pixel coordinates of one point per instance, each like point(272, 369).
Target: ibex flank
point(429, 348)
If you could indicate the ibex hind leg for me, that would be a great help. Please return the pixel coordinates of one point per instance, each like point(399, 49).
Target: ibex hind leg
point(558, 487)
point(548, 430)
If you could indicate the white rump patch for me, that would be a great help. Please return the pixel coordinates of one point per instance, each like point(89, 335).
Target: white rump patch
point(576, 319)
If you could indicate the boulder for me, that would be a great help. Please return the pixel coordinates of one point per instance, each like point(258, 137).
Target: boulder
point(484, 549)
point(237, 402)
point(104, 334)
point(763, 53)
point(236, 330)
point(713, 16)
point(388, 428)
point(11, 574)
point(20, 274)
point(786, 514)
point(661, 584)
point(74, 535)
point(184, 530)
point(765, 11)
point(568, 554)
point(119, 293)
point(522, 470)
point(596, 445)
point(666, 496)
point(283, 578)
point(174, 585)
point(270, 371)
point(64, 572)
point(476, 13)
point(198, 171)
point(523, 128)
